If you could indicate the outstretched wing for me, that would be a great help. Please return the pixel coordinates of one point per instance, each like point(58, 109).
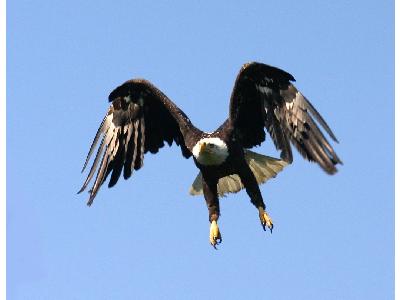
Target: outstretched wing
point(264, 96)
point(140, 119)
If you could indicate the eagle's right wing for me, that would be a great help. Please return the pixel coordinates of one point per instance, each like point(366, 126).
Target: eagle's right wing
point(140, 119)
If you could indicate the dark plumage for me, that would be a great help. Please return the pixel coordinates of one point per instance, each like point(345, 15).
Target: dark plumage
point(141, 119)
point(285, 112)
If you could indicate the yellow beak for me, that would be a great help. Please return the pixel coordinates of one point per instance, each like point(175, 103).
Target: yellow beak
point(203, 147)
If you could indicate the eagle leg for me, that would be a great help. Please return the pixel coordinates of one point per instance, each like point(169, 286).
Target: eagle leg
point(211, 197)
point(253, 190)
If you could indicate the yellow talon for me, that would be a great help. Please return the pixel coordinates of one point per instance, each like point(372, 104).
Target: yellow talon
point(215, 235)
point(266, 220)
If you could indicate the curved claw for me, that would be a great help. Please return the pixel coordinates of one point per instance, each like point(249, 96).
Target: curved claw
point(215, 235)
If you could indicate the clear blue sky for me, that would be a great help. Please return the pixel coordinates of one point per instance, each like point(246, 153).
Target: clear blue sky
point(147, 238)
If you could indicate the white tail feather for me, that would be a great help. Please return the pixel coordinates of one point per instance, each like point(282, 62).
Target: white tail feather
point(263, 168)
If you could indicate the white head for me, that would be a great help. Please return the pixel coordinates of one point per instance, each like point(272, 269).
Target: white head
point(210, 151)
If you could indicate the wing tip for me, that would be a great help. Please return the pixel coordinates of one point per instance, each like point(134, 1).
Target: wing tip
point(288, 158)
point(332, 169)
point(91, 198)
point(82, 188)
point(281, 73)
point(332, 135)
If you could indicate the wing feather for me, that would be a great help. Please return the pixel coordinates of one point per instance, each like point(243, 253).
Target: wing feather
point(119, 159)
point(139, 120)
point(139, 161)
point(131, 150)
point(99, 178)
point(94, 143)
point(265, 92)
point(93, 168)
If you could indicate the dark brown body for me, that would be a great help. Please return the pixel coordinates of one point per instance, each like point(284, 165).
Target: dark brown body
point(234, 164)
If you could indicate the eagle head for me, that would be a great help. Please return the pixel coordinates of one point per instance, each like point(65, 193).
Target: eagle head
point(210, 151)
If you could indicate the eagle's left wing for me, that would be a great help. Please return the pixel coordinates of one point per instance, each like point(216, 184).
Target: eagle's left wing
point(140, 119)
point(264, 96)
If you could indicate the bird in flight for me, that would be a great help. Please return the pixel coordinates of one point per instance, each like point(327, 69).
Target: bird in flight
point(141, 119)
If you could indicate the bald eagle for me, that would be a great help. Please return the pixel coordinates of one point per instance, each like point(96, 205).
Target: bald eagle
point(141, 119)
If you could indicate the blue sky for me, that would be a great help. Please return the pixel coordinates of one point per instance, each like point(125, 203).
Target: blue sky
point(147, 238)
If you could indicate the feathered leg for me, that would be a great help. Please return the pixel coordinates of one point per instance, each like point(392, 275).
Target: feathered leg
point(211, 197)
point(253, 190)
